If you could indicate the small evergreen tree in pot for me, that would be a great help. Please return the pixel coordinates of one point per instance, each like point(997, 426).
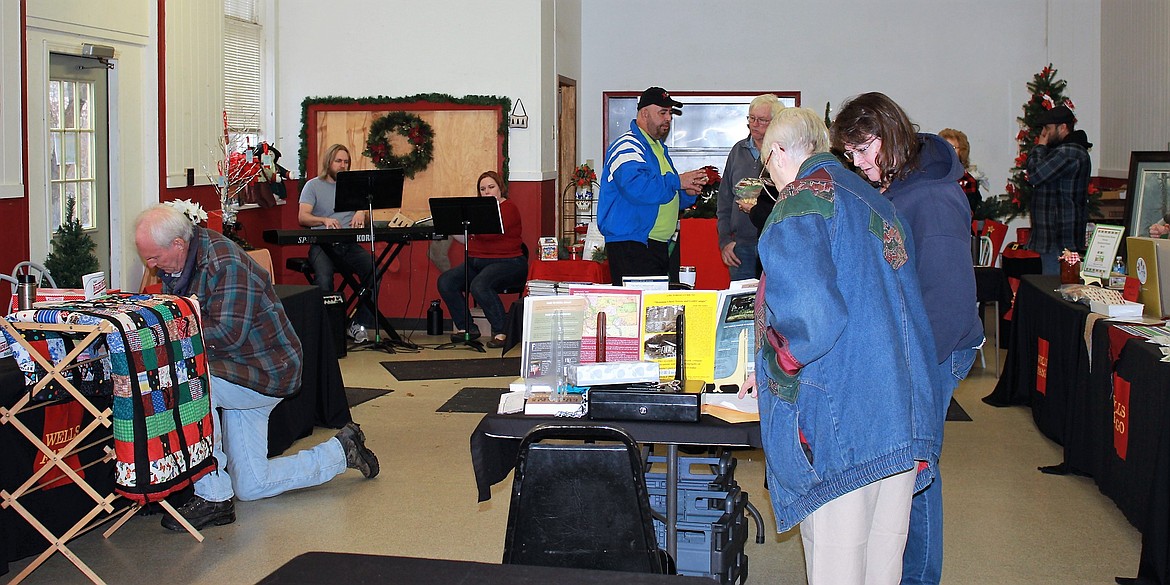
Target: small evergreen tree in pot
point(73, 251)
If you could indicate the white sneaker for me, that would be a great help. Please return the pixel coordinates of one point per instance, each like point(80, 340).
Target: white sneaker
point(357, 333)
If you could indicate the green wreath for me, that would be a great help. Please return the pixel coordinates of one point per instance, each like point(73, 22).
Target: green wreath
point(418, 132)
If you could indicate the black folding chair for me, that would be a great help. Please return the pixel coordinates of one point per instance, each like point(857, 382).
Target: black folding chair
point(579, 499)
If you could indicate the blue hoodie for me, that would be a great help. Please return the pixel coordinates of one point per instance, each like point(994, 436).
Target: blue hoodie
point(932, 204)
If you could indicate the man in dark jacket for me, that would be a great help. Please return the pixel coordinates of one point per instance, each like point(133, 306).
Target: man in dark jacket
point(1058, 170)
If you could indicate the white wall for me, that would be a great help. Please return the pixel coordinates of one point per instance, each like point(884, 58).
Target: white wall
point(62, 26)
point(1135, 72)
point(949, 64)
point(354, 48)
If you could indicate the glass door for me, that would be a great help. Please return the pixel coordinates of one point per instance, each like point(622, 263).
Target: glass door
point(78, 148)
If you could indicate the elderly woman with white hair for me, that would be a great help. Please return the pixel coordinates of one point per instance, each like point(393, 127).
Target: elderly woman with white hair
point(843, 363)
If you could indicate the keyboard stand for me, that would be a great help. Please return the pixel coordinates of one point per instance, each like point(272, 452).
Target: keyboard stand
point(393, 340)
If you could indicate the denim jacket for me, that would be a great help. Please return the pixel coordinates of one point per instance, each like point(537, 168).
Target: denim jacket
point(845, 353)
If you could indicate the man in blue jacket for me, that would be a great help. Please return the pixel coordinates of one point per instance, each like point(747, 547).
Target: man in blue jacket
point(641, 192)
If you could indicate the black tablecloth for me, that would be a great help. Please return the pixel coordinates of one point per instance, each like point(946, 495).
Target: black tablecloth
point(496, 440)
point(1085, 408)
point(314, 568)
point(57, 508)
point(321, 400)
point(1044, 326)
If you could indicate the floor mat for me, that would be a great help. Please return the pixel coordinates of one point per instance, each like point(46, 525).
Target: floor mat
point(356, 396)
point(481, 400)
point(446, 369)
point(956, 412)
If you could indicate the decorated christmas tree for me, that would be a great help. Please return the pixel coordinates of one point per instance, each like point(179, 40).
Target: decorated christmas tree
point(72, 256)
point(1047, 93)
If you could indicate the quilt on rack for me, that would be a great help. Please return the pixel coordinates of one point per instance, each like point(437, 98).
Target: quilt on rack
point(157, 369)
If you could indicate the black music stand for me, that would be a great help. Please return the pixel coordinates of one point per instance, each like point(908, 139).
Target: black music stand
point(366, 191)
point(466, 215)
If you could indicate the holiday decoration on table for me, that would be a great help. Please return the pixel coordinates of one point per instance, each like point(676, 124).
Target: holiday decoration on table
point(707, 201)
point(417, 132)
point(238, 166)
point(1047, 92)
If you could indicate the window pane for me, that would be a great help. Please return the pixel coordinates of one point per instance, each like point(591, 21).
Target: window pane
point(84, 97)
point(85, 204)
point(621, 111)
point(54, 105)
point(709, 126)
point(68, 103)
point(241, 62)
point(55, 156)
point(70, 155)
point(56, 208)
point(85, 155)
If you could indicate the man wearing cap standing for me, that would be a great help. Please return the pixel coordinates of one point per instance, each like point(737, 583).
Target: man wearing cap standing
point(1058, 170)
point(642, 193)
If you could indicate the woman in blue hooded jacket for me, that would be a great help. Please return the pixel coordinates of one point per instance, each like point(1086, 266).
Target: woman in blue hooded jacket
point(919, 174)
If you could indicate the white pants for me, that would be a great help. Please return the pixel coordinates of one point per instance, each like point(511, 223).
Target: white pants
point(859, 537)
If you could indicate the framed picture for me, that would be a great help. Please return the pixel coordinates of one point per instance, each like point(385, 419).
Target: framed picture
point(1147, 199)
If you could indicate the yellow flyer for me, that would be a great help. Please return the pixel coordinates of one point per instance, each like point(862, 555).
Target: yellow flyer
point(660, 337)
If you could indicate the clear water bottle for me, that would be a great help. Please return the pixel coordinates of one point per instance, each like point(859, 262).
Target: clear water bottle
point(1117, 277)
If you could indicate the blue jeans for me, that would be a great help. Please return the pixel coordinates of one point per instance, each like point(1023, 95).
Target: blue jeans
point(747, 261)
point(488, 277)
point(241, 448)
point(348, 258)
point(1050, 262)
point(923, 558)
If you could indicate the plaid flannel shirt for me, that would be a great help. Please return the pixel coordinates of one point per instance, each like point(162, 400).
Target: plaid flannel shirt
point(1059, 176)
point(247, 336)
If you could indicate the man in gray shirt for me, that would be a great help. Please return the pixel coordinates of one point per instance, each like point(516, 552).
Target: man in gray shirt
point(317, 202)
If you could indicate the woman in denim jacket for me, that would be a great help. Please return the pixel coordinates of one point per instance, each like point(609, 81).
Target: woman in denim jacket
point(844, 366)
point(919, 174)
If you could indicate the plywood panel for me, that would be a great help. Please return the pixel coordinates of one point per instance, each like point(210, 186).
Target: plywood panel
point(465, 145)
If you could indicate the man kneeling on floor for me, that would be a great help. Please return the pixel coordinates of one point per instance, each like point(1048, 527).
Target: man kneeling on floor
point(254, 358)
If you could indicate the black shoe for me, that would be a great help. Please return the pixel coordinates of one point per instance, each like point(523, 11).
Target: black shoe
point(200, 513)
point(357, 456)
point(497, 342)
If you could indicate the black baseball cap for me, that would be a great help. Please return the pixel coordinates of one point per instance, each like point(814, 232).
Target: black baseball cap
point(656, 96)
point(1057, 115)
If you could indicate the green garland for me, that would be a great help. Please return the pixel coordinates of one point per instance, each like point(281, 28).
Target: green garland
point(415, 129)
point(503, 103)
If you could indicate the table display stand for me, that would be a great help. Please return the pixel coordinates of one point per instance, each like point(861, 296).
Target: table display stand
point(56, 458)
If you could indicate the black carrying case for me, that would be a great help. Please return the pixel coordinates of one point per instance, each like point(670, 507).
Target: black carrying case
point(646, 402)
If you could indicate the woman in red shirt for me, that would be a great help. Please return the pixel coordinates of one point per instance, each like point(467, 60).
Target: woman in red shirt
point(494, 262)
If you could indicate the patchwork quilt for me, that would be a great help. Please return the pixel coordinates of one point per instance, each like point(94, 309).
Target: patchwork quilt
point(154, 365)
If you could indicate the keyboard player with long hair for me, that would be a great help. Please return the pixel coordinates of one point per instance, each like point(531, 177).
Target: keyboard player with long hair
point(317, 202)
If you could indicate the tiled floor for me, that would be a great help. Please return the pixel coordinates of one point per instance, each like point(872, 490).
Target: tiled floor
point(1006, 522)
